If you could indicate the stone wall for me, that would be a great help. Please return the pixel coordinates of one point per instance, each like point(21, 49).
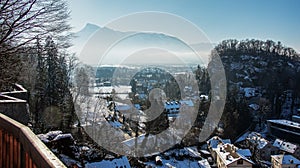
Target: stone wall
point(14, 104)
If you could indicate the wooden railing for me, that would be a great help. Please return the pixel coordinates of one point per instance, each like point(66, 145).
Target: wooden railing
point(20, 147)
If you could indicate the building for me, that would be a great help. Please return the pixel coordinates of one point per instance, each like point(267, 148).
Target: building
point(285, 146)
point(284, 161)
point(260, 148)
point(284, 129)
point(296, 118)
point(227, 156)
point(212, 145)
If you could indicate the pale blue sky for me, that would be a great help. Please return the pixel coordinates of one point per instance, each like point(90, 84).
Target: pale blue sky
point(278, 20)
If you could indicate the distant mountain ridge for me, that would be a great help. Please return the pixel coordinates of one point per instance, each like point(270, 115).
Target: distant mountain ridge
point(100, 39)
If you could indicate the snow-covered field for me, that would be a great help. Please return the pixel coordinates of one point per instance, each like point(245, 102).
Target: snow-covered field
point(103, 91)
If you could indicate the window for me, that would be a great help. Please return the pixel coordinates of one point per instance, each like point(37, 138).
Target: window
point(240, 162)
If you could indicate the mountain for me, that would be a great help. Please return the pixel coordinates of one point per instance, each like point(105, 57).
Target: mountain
point(101, 45)
point(82, 36)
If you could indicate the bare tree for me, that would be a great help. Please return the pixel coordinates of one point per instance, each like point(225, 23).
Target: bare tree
point(22, 22)
point(81, 82)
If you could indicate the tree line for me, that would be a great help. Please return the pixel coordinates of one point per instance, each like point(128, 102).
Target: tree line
point(255, 47)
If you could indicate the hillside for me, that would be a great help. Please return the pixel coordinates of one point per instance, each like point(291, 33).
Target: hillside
point(262, 79)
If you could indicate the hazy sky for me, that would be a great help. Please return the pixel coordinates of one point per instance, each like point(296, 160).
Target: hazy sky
point(278, 20)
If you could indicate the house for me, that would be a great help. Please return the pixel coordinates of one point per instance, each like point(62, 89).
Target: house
point(289, 147)
point(284, 161)
point(212, 145)
point(227, 156)
point(284, 129)
point(260, 148)
point(173, 108)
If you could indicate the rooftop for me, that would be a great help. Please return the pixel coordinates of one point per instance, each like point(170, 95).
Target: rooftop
point(285, 146)
point(286, 159)
point(286, 123)
point(244, 152)
point(256, 138)
point(119, 162)
point(215, 141)
point(228, 153)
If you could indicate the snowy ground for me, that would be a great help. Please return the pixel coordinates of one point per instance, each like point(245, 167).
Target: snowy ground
point(103, 91)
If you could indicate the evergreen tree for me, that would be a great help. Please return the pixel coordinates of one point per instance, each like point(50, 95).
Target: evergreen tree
point(53, 98)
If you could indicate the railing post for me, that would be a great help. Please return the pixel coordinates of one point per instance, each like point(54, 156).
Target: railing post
point(1, 146)
point(22, 157)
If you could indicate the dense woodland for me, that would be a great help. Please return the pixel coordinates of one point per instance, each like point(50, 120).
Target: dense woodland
point(34, 38)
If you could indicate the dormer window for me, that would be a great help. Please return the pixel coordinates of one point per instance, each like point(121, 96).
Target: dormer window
point(240, 162)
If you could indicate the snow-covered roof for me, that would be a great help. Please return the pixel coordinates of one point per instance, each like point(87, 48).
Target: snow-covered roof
point(193, 152)
point(286, 159)
point(171, 163)
point(119, 162)
point(254, 106)
point(203, 163)
point(285, 146)
point(286, 123)
point(172, 105)
point(257, 139)
point(122, 106)
point(249, 92)
point(228, 154)
point(244, 152)
point(296, 116)
point(205, 152)
point(243, 137)
point(215, 141)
